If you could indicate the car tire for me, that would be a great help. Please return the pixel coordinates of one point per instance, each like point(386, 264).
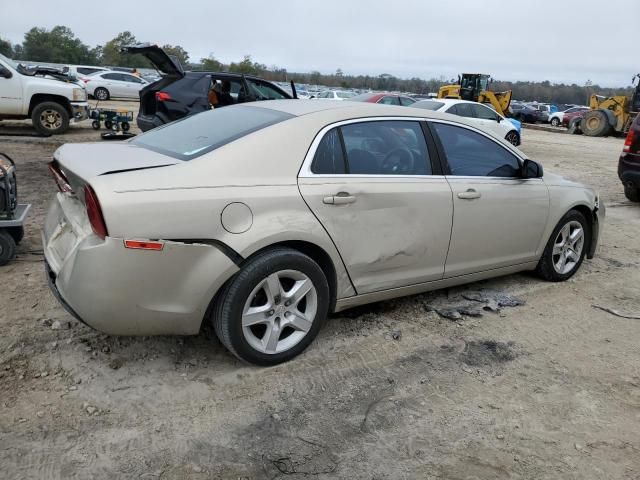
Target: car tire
point(555, 122)
point(595, 124)
point(632, 193)
point(7, 248)
point(513, 138)
point(560, 246)
point(264, 284)
point(17, 233)
point(50, 118)
point(101, 94)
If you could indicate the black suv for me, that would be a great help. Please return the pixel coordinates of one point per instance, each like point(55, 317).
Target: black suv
point(179, 93)
point(629, 163)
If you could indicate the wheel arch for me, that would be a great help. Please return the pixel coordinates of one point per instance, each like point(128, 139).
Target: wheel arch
point(39, 98)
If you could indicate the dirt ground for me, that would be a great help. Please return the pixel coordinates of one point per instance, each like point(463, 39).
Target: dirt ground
point(545, 390)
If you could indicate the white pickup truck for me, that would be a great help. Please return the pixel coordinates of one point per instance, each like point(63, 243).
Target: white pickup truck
point(50, 99)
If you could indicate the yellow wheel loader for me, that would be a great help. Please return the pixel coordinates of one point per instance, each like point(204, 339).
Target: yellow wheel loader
point(611, 115)
point(474, 87)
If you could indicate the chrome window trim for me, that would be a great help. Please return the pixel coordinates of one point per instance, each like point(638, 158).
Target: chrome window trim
point(305, 170)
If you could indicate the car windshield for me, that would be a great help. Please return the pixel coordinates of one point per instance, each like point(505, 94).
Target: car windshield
point(428, 105)
point(11, 63)
point(196, 135)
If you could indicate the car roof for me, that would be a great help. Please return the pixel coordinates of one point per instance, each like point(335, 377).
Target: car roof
point(337, 111)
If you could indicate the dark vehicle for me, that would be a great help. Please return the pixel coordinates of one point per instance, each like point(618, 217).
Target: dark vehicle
point(629, 163)
point(384, 98)
point(528, 114)
point(179, 94)
point(568, 117)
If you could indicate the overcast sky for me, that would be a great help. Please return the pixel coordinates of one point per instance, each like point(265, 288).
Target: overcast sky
point(556, 40)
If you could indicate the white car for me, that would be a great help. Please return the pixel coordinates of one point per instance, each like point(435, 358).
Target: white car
point(335, 95)
point(478, 114)
point(105, 85)
point(82, 71)
point(556, 118)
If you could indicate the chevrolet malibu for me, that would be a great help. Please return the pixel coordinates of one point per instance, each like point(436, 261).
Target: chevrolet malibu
point(263, 219)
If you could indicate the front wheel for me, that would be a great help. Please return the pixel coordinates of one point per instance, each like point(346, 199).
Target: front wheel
point(7, 248)
point(273, 308)
point(566, 248)
point(50, 118)
point(555, 122)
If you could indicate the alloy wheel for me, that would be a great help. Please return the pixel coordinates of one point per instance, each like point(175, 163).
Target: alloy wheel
point(567, 247)
point(512, 138)
point(279, 311)
point(51, 119)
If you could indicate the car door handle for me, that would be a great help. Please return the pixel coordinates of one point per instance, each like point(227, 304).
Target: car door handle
point(342, 198)
point(470, 194)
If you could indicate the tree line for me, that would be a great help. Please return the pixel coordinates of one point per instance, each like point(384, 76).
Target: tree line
point(60, 45)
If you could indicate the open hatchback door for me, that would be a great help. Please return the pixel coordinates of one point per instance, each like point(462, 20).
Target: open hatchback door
point(167, 64)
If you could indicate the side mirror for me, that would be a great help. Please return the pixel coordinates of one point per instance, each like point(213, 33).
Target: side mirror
point(4, 73)
point(498, 118)
point(531, 169)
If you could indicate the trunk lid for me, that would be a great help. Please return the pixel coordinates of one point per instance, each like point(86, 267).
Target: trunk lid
point(82, 161)
point(164, 62)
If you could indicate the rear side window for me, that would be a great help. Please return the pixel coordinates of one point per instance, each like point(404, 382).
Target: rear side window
point(472, 154)
point(329, 159)
point(406, 101)
point(196, 135)
point(428, 105)
point(462, 110)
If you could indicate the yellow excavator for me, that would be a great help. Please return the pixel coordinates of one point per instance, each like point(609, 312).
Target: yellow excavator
point(611, 114)
point(474, 87)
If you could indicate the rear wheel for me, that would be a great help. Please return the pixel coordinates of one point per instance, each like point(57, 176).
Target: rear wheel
point(7, 248)
point(273, 308)
point(101, 93)
point(595, 124)
point(565, 249)
point(632, 193)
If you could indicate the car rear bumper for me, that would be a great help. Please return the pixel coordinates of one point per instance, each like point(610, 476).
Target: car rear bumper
point(123, 291)
point(629, 170)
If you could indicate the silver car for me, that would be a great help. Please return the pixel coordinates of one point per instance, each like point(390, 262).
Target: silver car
point(265, 218)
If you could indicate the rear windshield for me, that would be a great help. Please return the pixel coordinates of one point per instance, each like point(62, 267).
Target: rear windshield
point(196, 135)
point(428, 105)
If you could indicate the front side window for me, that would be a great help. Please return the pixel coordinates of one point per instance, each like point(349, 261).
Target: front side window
point(386, 147)
point(388, 100)
point(484, 113)
point(472, 154)
point(266, 91)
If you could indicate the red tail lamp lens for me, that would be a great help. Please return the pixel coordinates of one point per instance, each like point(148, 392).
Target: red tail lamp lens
point(162, 96)
point(94, 212)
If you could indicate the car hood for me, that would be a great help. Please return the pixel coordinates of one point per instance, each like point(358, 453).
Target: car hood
point(88, 160)
point(158, 57)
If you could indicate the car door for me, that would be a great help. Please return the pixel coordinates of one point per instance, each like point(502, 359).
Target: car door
point(499, 217)
point(488, 120)
point(132, 85)
point(112, 82)
point(11, 94)
point(387, 207)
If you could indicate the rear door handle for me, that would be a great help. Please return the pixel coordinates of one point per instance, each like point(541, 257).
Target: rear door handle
point(470, 194)
point(342, 198)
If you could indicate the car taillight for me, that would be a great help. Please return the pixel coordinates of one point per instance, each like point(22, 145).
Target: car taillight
point(60, 178)
point(94, 212)
point(632, 143)
point(162, 96)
